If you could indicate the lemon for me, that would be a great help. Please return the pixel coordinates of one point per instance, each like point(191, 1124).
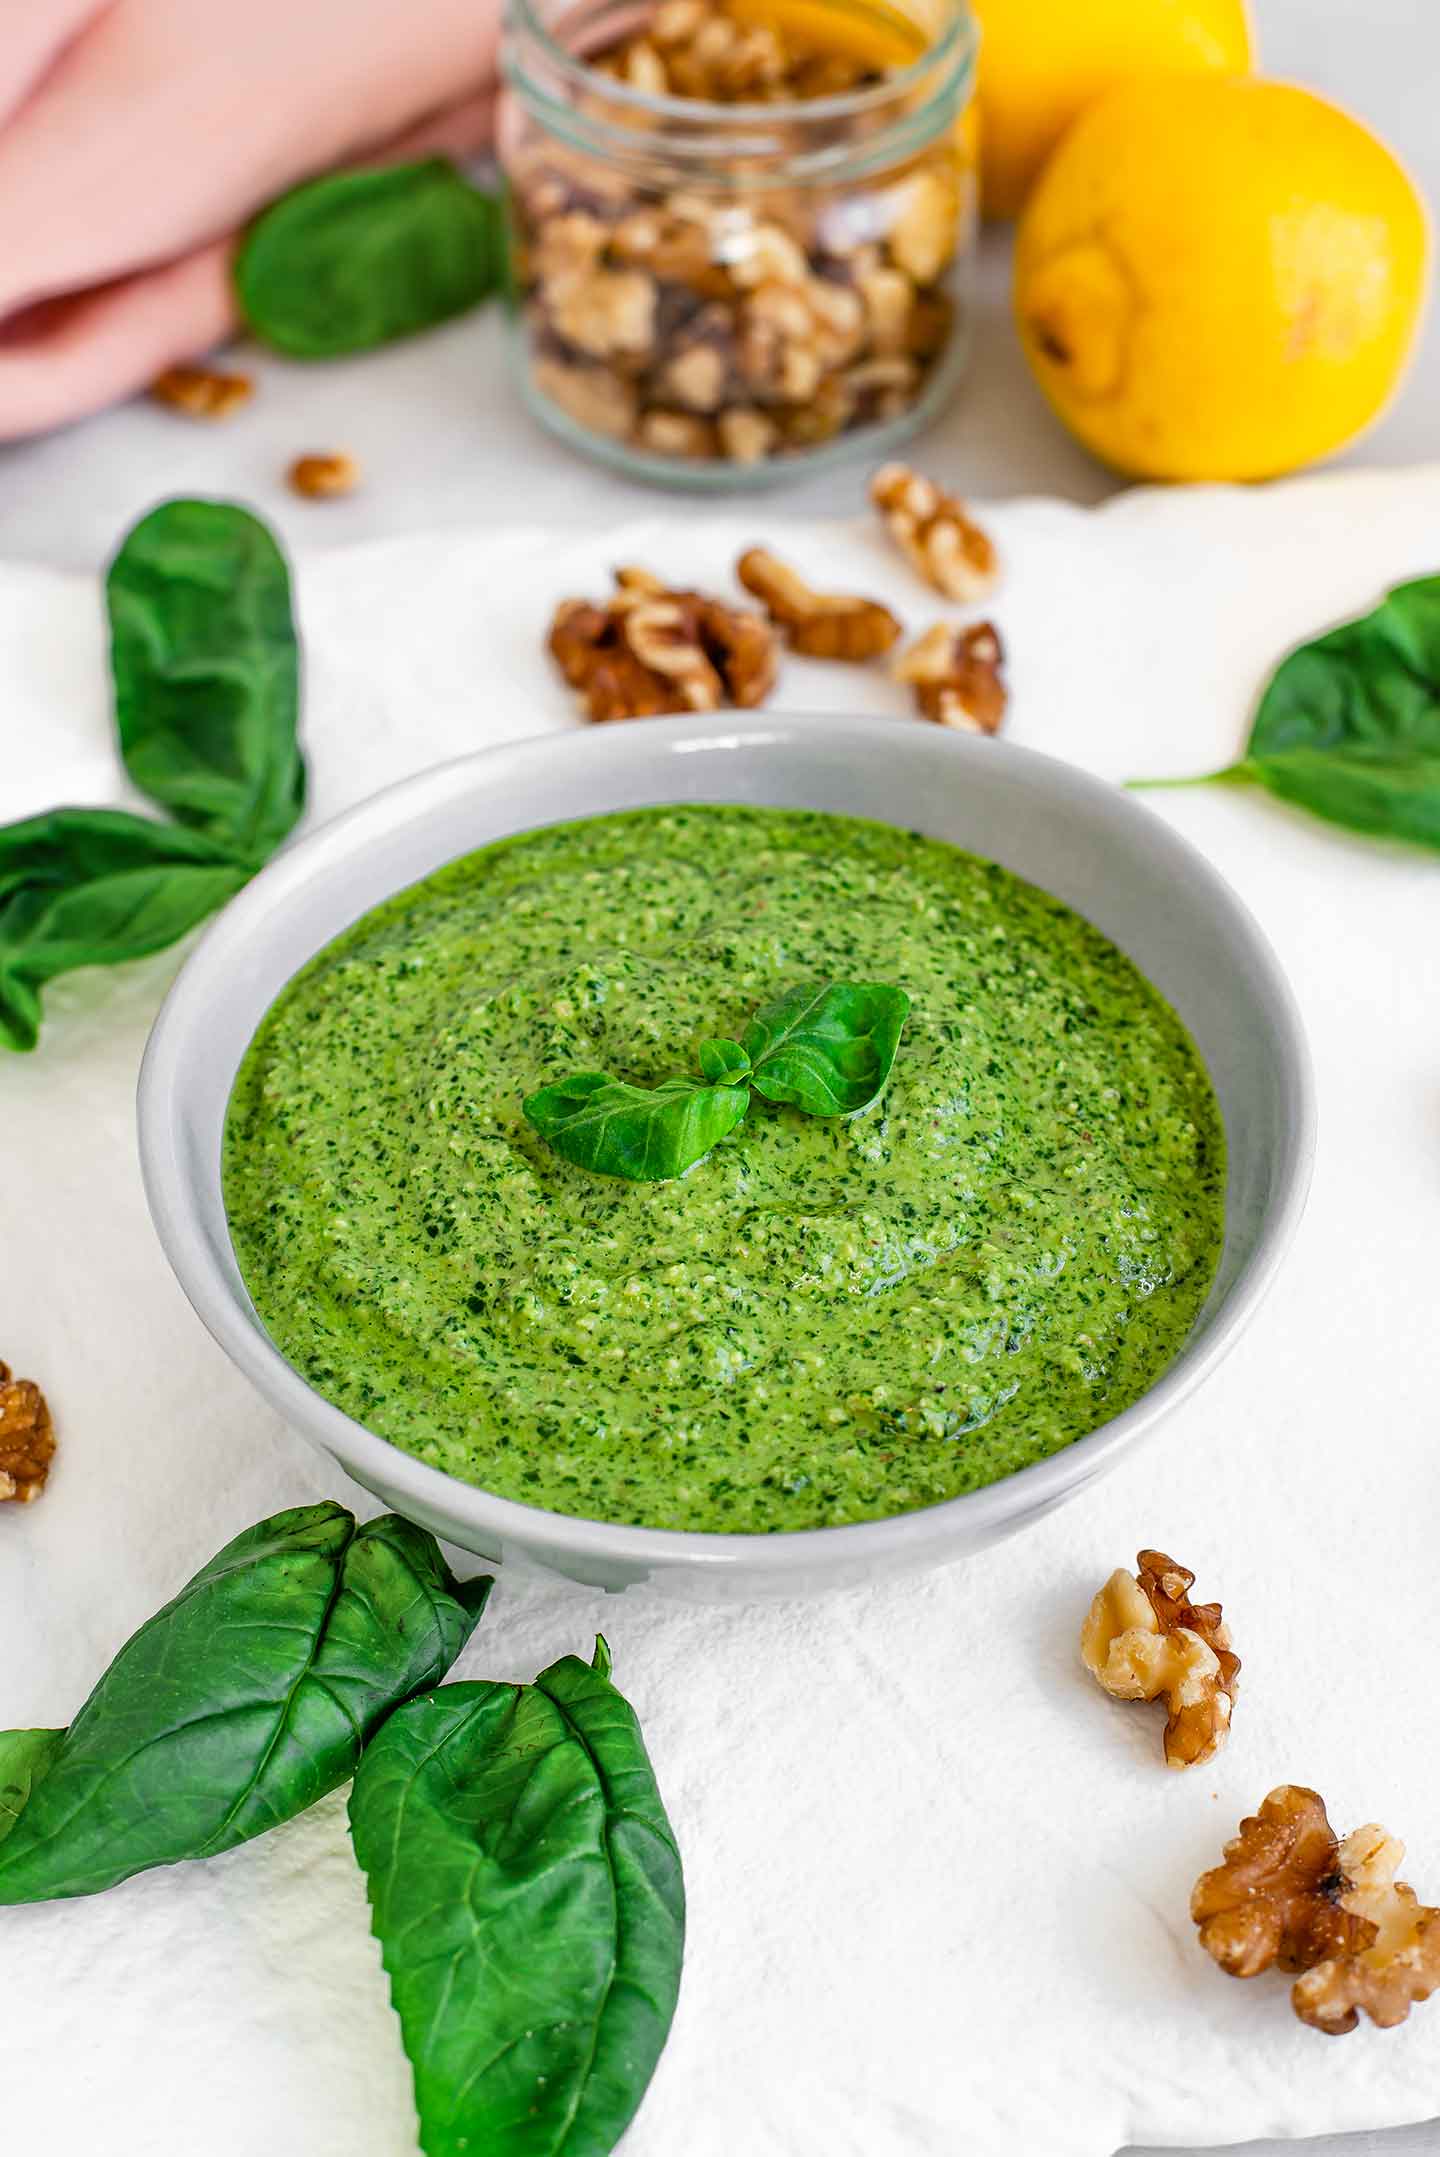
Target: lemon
point(1219, 278)
point(1043, 61)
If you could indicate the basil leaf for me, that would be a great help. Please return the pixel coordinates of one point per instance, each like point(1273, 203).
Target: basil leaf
point(207, 673)
point(1348, 726)
point(357, 259)
point(644, 1133)
point(92, 887)
point(25, 1757)
point(724, 1062)
point(242, 1701)
point(827, 1047)
point(526, 1891)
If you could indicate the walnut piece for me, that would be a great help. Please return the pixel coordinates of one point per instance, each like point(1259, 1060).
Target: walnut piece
point(823, 625)
point(1276, 1898)
point(320, 476)
point(1291, 1895)
point(653, 650)
point(936, 533)
point(1145, 1640)
point(1399, 1966)
point(27, 1439)
point(202, 392)
point(956, 676)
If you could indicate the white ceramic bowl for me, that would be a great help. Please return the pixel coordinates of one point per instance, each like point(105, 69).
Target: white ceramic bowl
point(1088, 843)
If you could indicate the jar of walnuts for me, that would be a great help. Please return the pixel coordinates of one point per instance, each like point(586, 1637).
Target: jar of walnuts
point(739, 232)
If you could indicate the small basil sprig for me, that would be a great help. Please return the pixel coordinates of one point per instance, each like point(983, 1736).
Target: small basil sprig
point(825, 1047)
point(206, 672)
point(1349, 725)
point(357, 259)
point(235, 1707)
point(526, 1891)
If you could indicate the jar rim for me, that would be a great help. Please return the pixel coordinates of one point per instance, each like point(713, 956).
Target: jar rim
point(950, 53)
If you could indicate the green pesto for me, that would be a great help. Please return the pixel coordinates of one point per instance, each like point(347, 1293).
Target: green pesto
point(826, 1319)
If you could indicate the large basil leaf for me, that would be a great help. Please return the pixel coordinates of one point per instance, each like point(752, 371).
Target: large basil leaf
point(207, 673)
point(827, 1047)
point(1349, 726)
point(91, 887)
point(242, 1701)
point(359, 258)
point(644, 1133)
point(25, 1757)
point(527, 1895)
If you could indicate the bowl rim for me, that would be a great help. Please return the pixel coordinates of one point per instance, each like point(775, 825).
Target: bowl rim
point(232, 1321)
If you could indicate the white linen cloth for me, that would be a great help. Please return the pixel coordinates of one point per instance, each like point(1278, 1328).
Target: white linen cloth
point(938, 1883)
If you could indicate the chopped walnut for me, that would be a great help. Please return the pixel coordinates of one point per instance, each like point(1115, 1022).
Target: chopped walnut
point(653, 650)
point(935, 532)
point(594, 397)
point(1290, 1894)
point(1144, 1639)
point(605, 313)
point(1276, 1898)
point(823, 625)
point(27, 1439)
point(922, 237)
point(1398, 1967)
point(956, 676)
point(320, 478)
point(202, 392)
point(746, 435)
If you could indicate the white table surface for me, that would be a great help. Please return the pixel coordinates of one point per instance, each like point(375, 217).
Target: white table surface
point(444, 443)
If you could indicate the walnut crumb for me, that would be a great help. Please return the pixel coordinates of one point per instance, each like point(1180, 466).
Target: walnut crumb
point(957, 677)
point(321, 476)
point(1291, 1895)
point(936, 533)
point(202, 392)
point(27, 1439)
point(1145, 1640)
point(652, 650)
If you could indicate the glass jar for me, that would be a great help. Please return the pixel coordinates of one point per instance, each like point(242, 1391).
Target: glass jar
point(714, 293)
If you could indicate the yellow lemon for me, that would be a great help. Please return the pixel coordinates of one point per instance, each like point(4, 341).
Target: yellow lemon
point(1043, 61)
point(1219, 278)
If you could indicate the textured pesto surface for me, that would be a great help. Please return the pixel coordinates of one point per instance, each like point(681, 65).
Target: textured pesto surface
point(824, 1320)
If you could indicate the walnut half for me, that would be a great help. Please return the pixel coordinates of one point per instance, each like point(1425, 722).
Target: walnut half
point(1291, 1895)
point(823, 625)
point(652, 650)
point(1145, 1640)
point(27, 1439)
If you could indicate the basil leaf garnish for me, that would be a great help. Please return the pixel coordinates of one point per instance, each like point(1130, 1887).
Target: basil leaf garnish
point(826, 1047)
point(1348, 726)
point(357, 259)
point(240, 1703)
point(92, 887)
point(643, 1133)
point(207, 673)
point(25, 1757)
point(724, 1062)
point(526, 1891)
